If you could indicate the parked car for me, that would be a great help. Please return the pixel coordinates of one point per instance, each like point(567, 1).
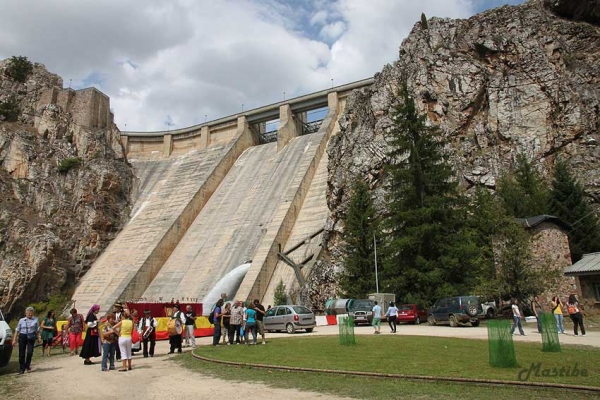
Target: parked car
point(455, 310)
point(6, 346)
point(289, 318)
point(411, 313)
point(490, 309)
point(362, 311)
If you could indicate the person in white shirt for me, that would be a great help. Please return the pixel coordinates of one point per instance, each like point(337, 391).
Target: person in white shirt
point(516, 318)
point(392, 315)
point(147, 328)
point(377, 318)
point(176, 339)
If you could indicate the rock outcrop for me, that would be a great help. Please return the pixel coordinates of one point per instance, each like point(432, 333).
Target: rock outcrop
point(64, 184)
point(516, 79)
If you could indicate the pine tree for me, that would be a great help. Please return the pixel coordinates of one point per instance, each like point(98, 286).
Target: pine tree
point(280, 296)
point(429, 251)
point(517, 276)
point(358, 277)
point(486, 216)
point(523, 191)
point(568, 203)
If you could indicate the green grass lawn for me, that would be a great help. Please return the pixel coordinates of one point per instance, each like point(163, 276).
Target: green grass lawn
point(432, 356)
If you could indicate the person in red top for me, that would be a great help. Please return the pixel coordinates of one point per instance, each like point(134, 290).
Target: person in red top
point(75, 328)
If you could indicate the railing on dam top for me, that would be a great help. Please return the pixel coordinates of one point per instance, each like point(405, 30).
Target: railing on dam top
point(311, 127)
point(310, 101)
point(268, 137)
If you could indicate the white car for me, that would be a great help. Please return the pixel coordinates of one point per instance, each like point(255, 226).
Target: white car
point(6, 346)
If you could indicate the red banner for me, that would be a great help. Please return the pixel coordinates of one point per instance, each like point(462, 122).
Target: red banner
point(159, 310)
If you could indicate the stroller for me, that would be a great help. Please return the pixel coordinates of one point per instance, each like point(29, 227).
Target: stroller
point(60, 340)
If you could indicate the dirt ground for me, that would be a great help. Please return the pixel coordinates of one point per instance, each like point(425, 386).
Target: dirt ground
point(61, 376)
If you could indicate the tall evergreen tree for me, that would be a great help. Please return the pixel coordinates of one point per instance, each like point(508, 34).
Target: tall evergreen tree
point(516, 274)
point(486, 216)
point(507, 267)
point(358, 277)
point(569, 204)
point(523, 191)
point(429, 252)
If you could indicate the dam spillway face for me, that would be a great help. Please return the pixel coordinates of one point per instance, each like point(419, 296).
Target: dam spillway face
point(211, 199)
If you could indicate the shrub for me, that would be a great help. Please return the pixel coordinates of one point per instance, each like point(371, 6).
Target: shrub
point(9, 110)
point(56, 302)
point(68, 163)
point(19, 68)
point(280, 297)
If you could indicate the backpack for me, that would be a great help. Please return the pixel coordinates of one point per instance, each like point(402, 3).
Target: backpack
point(571, 308)
point(211, 317)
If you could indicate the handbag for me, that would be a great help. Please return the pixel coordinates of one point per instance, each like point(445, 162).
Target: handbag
point(31, 336)
point(135, 336)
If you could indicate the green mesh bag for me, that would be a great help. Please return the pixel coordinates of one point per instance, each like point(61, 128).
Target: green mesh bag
point(501, 346)
point(550, 342)
point(346, 325)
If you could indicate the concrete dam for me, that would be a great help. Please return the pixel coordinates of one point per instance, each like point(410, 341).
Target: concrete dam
point(224, 204)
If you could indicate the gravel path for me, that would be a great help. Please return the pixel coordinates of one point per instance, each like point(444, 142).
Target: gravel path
point(159, 378)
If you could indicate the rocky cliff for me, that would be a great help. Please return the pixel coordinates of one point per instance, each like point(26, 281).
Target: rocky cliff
point(516, 79)
point(64, 186)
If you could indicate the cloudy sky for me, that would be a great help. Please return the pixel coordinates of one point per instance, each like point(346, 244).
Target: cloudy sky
point(172, 64)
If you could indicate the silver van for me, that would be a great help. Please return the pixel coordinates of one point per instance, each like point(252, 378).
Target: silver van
point(6, 347)
point(289, 319)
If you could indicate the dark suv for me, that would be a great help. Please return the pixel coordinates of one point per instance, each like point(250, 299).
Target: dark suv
point(361, 310)
point(455, 310)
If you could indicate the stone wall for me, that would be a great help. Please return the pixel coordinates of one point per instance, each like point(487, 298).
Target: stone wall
point(550, 250)
point(588, 298)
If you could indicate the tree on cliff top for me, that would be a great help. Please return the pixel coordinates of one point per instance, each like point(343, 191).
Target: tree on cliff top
point(19, 68)
point(429, 250)
point(568, 203)
point(358, 277)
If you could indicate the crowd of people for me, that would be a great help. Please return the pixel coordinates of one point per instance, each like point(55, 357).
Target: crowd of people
point(235, 324)
point(113, 336)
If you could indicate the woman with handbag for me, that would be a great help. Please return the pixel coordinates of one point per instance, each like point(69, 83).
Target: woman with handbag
point(576, 315)
point(48, 332)
point(109, 343)
point(91, 343)
point(26, 336)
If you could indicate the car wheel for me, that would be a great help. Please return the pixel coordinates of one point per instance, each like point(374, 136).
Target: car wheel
point(453, 321)
point(489, 314)
point(417, 320)
point(290, 328)
point(431, 320)
point(475, 323)
point(309, 330)
point(472, 310)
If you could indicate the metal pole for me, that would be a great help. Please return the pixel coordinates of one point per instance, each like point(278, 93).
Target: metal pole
point(376, 277)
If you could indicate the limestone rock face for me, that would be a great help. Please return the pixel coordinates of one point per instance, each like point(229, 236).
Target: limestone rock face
point(64, 192)
point(516, 79)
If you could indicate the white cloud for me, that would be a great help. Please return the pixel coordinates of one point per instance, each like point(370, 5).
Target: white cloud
point(185, 59)
point(319, 18)
point(333, 31)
